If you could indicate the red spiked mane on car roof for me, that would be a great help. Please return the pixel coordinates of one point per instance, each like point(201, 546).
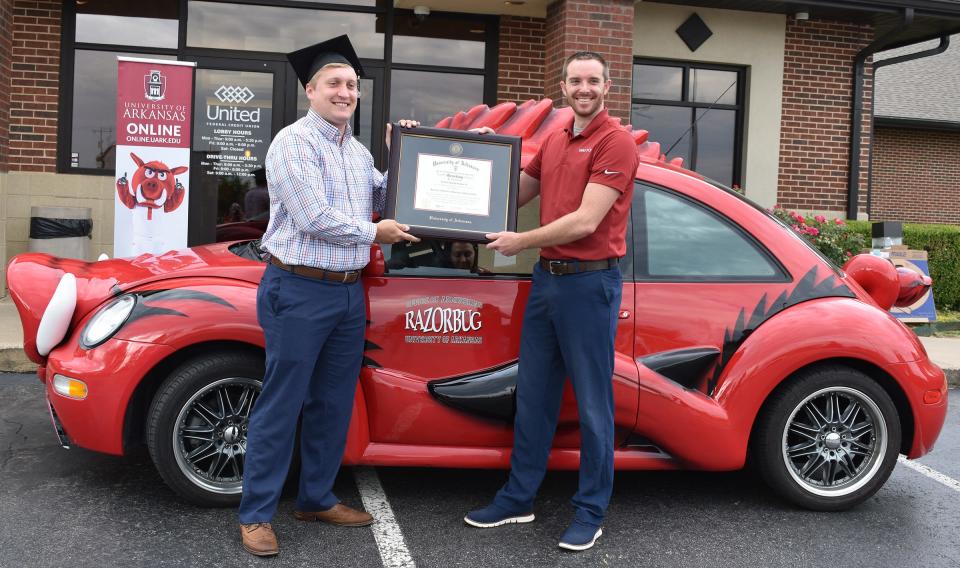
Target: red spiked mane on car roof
point(533, 121)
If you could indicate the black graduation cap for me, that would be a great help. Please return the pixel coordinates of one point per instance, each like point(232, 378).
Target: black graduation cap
point(259, 176)
point(307, 61)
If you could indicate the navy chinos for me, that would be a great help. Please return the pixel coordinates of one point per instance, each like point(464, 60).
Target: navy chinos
point(568, 330)
point(314, 333)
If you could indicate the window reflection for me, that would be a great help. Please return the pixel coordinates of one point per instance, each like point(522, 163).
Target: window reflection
point(430, 97)
point(346, 2)
point(439, 40)
point(95, 107)
point(715, 139)
point(278, 29)
point(684, 240)
point(657, 82)
point(713, 86)
point(122, 30)
point(666, 125)
point(704, 118)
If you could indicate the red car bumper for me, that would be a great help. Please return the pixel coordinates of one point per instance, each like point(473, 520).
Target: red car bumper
point(111, 375)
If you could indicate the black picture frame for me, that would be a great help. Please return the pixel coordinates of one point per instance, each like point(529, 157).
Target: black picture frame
point(453, 149)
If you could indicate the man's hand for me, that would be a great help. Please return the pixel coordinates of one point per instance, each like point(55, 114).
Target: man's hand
point(389, 232)
point(483, 130)
point(404, 123)
point(506, 243)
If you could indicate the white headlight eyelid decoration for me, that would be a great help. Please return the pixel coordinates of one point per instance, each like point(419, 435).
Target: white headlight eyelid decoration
point(107, 321)
point(56, 318)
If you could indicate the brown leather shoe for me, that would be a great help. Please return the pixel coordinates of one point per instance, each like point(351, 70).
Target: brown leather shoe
point(259, 539)
point(339, 515)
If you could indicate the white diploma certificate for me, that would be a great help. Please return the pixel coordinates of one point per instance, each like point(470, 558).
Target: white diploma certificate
point(453, 185)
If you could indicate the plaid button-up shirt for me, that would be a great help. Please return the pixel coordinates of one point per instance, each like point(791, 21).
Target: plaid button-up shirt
point(323, 191)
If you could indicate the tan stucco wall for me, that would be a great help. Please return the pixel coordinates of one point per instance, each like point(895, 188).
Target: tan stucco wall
point(22, 190)
point(749, 39)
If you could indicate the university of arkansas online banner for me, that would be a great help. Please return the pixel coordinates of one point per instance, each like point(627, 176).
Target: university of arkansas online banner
point(153, 152)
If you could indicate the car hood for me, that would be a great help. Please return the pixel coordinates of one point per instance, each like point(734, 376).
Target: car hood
point(32, 279)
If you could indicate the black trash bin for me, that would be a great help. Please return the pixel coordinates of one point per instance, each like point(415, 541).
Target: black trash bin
point(61, 231)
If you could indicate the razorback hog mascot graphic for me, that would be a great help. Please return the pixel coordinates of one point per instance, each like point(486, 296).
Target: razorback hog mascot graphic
point(154, 186)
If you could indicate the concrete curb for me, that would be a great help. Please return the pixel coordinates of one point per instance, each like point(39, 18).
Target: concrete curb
point(953, 378)
point(14, 360)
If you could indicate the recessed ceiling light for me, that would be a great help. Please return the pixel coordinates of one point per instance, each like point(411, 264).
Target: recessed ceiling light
point(514, 2)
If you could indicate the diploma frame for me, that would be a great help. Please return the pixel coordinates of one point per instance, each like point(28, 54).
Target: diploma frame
point(410, 146)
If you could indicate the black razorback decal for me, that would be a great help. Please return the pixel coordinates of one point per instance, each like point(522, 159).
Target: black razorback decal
point(143, 309)
point(370, 346)
point(807, 288)
point(686, 367)
point(487, 393)
point(185, 294)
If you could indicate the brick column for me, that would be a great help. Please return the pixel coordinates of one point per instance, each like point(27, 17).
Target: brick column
point(521, 59)
point(34, 76)
point(6, 52)
point(815, 128)
point(604, 27)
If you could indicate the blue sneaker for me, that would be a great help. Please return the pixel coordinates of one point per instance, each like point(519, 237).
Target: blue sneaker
point(493, 516)
point(580, 536)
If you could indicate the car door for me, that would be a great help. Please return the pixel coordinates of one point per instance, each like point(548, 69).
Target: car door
point(437, 317)
point(699, 276)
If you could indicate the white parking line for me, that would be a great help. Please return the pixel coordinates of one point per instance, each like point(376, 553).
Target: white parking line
point(931, 473)
point(386, 531)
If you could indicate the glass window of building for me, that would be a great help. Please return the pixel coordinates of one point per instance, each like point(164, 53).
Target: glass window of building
point(424, 66)
point(695, 111)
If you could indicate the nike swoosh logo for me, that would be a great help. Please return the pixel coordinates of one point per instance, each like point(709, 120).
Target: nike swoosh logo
point(609, 173)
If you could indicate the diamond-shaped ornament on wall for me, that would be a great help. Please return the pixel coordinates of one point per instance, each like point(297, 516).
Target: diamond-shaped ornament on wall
point(694, 32)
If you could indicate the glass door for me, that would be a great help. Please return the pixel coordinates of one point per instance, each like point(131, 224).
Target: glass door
point(238, 108)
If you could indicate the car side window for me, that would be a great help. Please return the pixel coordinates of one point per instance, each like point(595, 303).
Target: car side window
point(679, 239)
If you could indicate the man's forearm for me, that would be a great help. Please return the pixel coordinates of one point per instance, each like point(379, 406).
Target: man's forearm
point(571, 227)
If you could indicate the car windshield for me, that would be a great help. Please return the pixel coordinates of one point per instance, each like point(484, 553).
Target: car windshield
point(779, 223)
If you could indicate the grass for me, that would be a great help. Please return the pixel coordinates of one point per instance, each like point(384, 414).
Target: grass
point(948, 317)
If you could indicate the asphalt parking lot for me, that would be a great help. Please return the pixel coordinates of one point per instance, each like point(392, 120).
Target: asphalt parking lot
point(76, 508)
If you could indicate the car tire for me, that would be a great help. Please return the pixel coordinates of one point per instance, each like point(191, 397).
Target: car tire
point(828, 439)
point(196, 426)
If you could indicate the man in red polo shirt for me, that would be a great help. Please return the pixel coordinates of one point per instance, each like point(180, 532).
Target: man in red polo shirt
point(584, 176)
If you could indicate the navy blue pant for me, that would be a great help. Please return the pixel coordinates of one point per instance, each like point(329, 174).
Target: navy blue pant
point(314, 334)
point(568, 330)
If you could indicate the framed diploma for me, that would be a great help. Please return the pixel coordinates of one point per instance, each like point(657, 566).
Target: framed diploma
point(453, 184)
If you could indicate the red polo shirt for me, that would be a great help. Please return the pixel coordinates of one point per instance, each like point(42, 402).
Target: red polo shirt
point(603, 153)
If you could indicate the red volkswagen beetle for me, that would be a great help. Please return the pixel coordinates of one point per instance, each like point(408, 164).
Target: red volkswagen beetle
point(735, 339)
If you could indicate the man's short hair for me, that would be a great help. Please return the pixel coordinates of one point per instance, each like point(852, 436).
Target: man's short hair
point(586, 56)
point(334, 65)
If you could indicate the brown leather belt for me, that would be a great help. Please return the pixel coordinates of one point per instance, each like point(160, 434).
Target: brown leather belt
point(348, 277)
point(560, 267)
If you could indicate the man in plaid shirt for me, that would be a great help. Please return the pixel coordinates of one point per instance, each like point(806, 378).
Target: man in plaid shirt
point(323, 190)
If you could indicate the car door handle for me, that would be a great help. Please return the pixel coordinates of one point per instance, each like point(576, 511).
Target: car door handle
point(624, 314)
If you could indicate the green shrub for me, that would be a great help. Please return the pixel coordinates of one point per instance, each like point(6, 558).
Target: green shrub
point(942, 243)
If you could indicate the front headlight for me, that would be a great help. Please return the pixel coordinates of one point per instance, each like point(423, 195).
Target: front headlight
point(107, 321)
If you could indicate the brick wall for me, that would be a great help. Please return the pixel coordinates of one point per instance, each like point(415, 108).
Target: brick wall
point(605, 27)
point(815, 128)
point(35, 75)
point(521, 59)
point(916, 176)
point(6, 46)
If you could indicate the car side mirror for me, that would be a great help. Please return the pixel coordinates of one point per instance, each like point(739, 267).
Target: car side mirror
point(377, 265)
